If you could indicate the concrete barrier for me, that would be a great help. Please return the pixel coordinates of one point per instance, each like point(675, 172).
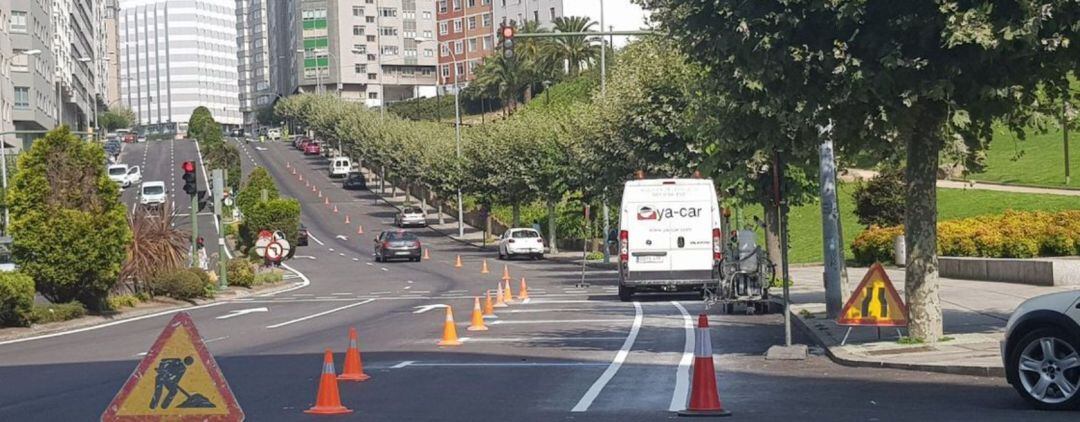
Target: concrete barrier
point(1037, 272)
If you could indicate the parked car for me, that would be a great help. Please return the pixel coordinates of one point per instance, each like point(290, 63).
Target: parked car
point(152, 193)
point(354, 181)
point(273, 134)
point(397, 244)
point(312, 148)
point(302, 236)
point(340, 166)
point(301, 142)
point(410, 216)
point(521, 242)
point(124, 175)
point(141, 139)
point(1040, 351)
point(129, 138)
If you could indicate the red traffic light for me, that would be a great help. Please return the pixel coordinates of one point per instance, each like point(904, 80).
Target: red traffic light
point(508, 32)
point(188, 166)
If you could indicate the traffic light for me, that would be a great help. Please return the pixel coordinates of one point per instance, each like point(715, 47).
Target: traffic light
point(506, 32)
point(189, 178)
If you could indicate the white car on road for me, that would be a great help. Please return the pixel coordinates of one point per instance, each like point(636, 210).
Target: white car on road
point(1040, 351)
point(518, 242)
point(125, 176)
point(153, 193)
point(411, 216)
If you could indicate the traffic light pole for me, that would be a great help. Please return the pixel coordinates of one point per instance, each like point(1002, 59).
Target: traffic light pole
point(195, 229)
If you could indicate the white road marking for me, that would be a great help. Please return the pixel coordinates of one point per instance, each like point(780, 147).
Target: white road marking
point(342, 237)
point(330, 249)
point(598, 386)
point(341, 254)
point(526, 301)
point(407, 287)
point(526, 339)
point(110, 324)
point(342, 294)
point(413, 364)
point(409, 281)
point(425, 308)
point(215, 339)
point(304, 257)
point(563, 321)
point(529, 311)
point(383, 268)
point(356, 259)
point(370, 264)
point(682, 373)
point(403, 364)
point(301, 319)
point(312, 237)
point(239, 312)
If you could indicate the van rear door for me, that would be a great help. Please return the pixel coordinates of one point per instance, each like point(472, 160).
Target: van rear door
point(649, 240)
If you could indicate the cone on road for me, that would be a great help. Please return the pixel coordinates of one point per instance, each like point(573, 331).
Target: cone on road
point(359, 229)
point(354, 367)
point(335, 209)
point(449, 335)
point(327, 201)
point(426, 256)
point(457, 263)
point(288, 165)
point(320, 195)
point(294, 170)
point(500, 299)
point(477, 317)
point(301, 177)
point(509, 296)
point(506, 273)
point(523, 291)
point(484, 268)
point(328, 400)
point(489, 309)
point(346, 219)
point(704, 398)
point(315, 189)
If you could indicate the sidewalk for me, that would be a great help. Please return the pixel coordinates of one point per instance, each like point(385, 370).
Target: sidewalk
point(974, 313)
point(856, 174)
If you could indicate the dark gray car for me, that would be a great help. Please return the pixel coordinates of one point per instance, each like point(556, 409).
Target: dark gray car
point(397, 244)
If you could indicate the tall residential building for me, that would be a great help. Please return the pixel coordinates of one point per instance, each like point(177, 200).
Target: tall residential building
point(519, 11)
point(177, 55)
point(75, 43)
point(7, 90)
point(466, 36)
point(376, 51)
point(253, 57)
point(282, 19)
point(111, 55)
point(35, 104)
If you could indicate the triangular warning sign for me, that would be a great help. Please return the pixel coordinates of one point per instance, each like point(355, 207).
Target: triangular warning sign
point(875, 303)
point(178, 380)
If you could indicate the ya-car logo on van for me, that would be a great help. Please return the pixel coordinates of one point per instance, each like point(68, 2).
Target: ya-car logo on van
point(660, 214)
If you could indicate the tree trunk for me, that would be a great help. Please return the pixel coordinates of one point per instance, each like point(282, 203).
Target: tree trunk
point(920, 228)
point(407, 188)
point(552, 241)
point(772, 224)
point(517, 213)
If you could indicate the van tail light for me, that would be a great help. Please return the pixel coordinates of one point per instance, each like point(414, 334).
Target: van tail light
point(717, 246)
point(624, 245)
point(540, 240)
point(511, 240)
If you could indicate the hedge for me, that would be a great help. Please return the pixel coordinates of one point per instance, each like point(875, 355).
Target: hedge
point(1014, 234)
point(16, 299)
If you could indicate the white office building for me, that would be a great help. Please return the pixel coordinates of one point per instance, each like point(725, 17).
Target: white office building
point(177, 55)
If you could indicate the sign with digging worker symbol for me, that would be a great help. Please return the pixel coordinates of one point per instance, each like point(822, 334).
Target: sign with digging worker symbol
point(875, 303)
point(178, 380)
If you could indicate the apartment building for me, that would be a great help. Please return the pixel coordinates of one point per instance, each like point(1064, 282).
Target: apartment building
point(111, 40)
point(76, 46)
point(177, 55)
point(35, 104)
point(7, 90)
point(520, 11)
point(253, 59)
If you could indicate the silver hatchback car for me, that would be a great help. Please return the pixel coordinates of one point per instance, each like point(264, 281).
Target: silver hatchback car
point(411, 216)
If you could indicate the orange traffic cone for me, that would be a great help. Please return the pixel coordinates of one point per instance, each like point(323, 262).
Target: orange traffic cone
point(328, 401)
point(359, 229)
point(704, 398)
point(354, 366)
point(294, 170)
point(489, 309)
point(327, 201)
point(506, 273)
point(335, 209)
point(477, 317)
point(427, 256)
point(484, 269)
point(509, 295)
point(523, 291)
point(288, 165)
point(315, 189)
point(346, 219)
point(301, 177)
point(500, 299)
point(449, 335)
point(457, 263)
point(320, 195)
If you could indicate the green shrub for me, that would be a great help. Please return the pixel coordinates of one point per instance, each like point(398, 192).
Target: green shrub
point(875, 244)
point(276, 214)
point(594, 256)
point(123, 301)
point(16, 298)
point(232, 229)
point(209, 285)
point(268, 277)
point(240, 273)
point(251, 193)
point(181, 284)
point(880, 201)
point(44, 314)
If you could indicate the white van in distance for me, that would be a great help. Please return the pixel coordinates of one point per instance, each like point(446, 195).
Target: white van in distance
point(669, 236)
point(340, 166)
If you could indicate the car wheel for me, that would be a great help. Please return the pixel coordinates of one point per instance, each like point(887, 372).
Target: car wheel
point(378, 258)
point(501, 255)
point(626, 294)
point(1047, 369)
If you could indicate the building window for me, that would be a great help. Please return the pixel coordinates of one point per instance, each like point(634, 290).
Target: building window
point(370, 38)
point(371, 57)
point(444, 50)
point(486, 43)
point(388, 12)
point(22, 97)
point(20, 62)
point(457, 25)
point(357, 30)
point(458, 46)
point(426, 15)
point(442, 28)
point(428, 52)
point(358, 10)
point(442, 6)
point(457, 4)
point(536, 15)
point(18, 25)
point(369, 19)
point(459, 67)
point(445, 71)
point(472, 22)
point(372, 76)
point(426, 71)
point(388, 31)
point(359, 48)
point(487, 20)
point(472, 44)
point(359, 68)
point(427, 35)
point(389, 50)
point(552, 11)
point(410, 52)
point(472, 3)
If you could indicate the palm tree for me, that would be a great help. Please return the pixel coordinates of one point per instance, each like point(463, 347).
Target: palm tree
point(502, 76)
point(575, 50)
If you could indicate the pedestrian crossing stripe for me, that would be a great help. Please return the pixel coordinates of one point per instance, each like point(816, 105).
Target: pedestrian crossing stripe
point(875, 303)
point(177, 380)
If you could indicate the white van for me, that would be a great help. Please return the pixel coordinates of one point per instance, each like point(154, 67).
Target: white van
point(273, 134)
point(340, 166)
point(669, 236)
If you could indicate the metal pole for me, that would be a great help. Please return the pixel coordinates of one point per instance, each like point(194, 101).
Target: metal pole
point(830, 218)
point(603, 54)
point(382, 71)
point(457, 134)
point(1065, 134)
point(780, 209)
point(3, 177)
point(607, 230)
point(218, 188)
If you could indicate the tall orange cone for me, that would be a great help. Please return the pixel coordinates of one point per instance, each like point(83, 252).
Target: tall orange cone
point(500, 299)
point(509, 296)
point(328, 401)
point(288, 165)
point(523, 291)
point(484, 268)
point(346, 219)
point(301, 177)
point(506, 273)
point(427, 256)
point(457, 263)
point(477, 317)
point(294, 170)
point(359, 229)
point(335, 209)
point(354, 366)
point(327, 201)
point(320, 195)
point(449, 335)
point(489, 309)
point(704, 398)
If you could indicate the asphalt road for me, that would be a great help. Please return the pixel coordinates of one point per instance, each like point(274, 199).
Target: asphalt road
point(549, 359)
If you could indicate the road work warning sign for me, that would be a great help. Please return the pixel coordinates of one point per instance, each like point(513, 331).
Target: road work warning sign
point(178, 380)
point(875, 303)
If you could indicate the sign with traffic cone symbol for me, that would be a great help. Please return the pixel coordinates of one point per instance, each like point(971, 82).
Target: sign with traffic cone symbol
point(457, 263)
point(509, 296)
point(328, 400)
point(449, 335)
point(359, 229)
point(489, 309)
point(477, 317)
point(704, 398)
point(500, 299)
point(484, 268)
point(354, 365)
point(506, 273)
point(427, 255)
point(523, 291)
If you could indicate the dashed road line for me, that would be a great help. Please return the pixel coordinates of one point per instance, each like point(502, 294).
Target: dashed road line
point(323, 313)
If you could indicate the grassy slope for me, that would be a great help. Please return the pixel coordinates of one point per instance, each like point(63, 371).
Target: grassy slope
point(1038, 160)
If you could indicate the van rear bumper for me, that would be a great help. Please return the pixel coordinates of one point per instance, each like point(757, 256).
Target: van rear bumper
point(667, 278)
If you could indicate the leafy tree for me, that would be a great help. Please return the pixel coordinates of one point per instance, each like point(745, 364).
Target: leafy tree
point(880, 201)
point(69, 227)
point(258, 181)
point(199, 122)
point(914, 76)
point(116, 118)
point(276, 214)
point(576, 50)
point(227, 157)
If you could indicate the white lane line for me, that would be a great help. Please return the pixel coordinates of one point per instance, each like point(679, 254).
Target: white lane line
point(301, 319)
point(616, 363)
point(383, 268)
point(526, 301)
point(682, 373)
point(239, 312)
point(403, 364)
point(342, 294)
point(407, 287)
point(316, 240)
point(330, 249)
point(110, 324)
point(370, 264)
point(356, 259)
point(412, 364)
point(527, 339)
point(215, 339)
point(341, 254)
point(561, 321)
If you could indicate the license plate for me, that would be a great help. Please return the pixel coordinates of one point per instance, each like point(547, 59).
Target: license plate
point(650, 259)
point(401, 253)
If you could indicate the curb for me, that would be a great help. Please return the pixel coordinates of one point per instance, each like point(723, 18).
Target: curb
point(847, 359)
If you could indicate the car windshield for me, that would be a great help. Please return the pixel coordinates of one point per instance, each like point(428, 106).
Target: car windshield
point(524, 234)
point(153, 190)
point(400, 236)
point(117, 171)
point(412, 210)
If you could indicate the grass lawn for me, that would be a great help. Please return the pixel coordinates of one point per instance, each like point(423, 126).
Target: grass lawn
point(805, 221)
point(1037, 160)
